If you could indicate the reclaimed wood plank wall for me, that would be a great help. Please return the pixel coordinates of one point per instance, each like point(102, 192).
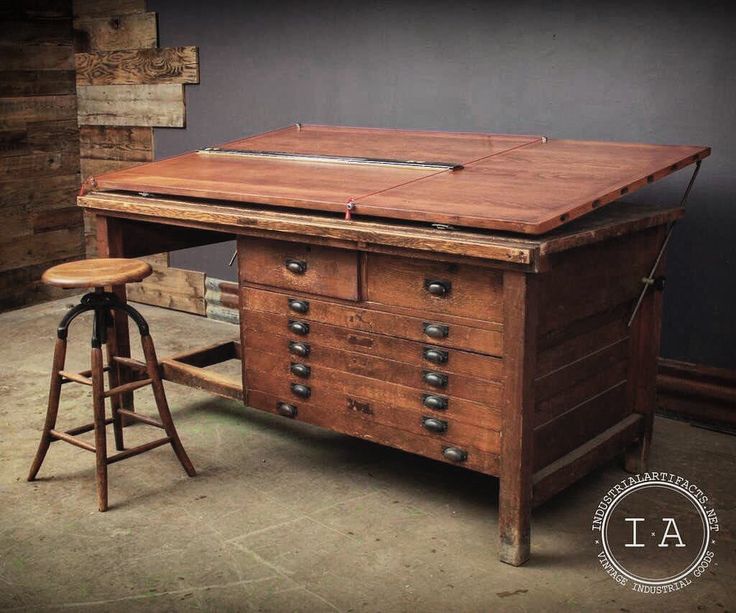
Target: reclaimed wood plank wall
point(39, 148)
point(126, 86)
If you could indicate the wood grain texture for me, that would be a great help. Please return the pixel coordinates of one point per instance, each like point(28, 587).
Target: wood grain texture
point(125, 143)
point(36, 82)
point(38, 108)
point(131, 105)
point(104, 8)
point(526, 185)
point(94, 167)
point(132, 31)
point(138, 66)
point(173, 288)
point(37, 57)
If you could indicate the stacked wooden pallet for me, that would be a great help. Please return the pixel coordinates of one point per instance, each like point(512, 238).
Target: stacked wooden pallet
point(126, 86)
point(39, 151)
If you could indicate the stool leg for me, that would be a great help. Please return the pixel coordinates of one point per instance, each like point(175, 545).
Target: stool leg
point(162, 405)
point(52, 408)
point(114, 380)
point(98, 404)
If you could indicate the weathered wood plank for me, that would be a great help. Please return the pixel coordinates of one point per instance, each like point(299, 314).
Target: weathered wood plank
point(34, 249)
point(38, 108)
point(123, 143)
point(29, 31)
point(131, 105)
point(102, 8)
point(132, 31)
point(60, 136)
point(93, 168)
point(137, 66)
point(173, 288)
point(22, 286)
point(38, 163)
point(42, 192)
point(49, 220)
point(36, 57)
point(36, 9)
point(36, 82)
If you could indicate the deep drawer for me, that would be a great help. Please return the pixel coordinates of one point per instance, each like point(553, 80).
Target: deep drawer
point(295, 266)
point(430, 378)
point(346, 414)
point(486, 340)
point(440, 287)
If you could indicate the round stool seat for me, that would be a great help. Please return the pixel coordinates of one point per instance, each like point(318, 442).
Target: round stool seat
point(97, 273)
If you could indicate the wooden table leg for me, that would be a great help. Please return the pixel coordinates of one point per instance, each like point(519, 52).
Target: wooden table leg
point(110, 245)
point(515, 497)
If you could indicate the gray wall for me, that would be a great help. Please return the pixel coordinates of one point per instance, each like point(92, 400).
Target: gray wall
point(661, 72)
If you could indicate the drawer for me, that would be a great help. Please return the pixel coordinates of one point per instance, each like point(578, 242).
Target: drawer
point(350, 415)
point(263, 325)
point(439, 287)
point(296, 266)
point(429, 329)
point(273, 373)
point(428, 377)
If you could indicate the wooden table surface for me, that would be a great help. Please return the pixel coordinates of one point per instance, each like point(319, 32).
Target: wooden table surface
point(517, 183)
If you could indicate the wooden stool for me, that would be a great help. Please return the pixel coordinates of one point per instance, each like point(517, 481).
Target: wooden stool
point(97, 274)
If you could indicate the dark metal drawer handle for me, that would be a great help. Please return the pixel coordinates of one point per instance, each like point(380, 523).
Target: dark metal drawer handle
point(438, 288)
point(436, 330)
point(303, 391)
point(435, 379)
point(297, 267)
point(287, 410)
point(300, 349)
point(455, 454)
point(298, 306)
point(438, 426)
point(299, 327)
point(436, 356)
point(436, 403)
point(300, 370)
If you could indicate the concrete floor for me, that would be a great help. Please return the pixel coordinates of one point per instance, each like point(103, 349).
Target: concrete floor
point(285, 517)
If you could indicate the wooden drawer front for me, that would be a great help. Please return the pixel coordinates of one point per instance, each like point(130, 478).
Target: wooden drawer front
point(296, 266)
point(349, 415)
point(480, 340)
point(275, 373)
point(427, 355)
point(469, 291)
point(428, 377)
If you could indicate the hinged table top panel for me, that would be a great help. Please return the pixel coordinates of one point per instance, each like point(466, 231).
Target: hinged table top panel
point(517, 183)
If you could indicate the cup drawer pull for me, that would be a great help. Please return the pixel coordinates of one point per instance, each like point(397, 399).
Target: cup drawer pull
point(436, 330)
point(298, 306)
point(455, 454)
point(438, 288)
point(438, 426)
point(299, 327)
point(435, 379)
point(303, 391)
point(300, 349)
point(285, 409)
point(434, 355)
point(436, 403)
point(300, 370)
point(296, 267)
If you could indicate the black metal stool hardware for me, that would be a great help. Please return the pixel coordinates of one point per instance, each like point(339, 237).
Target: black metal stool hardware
point(303, 391)
point(435, 379)
point(436, 403)
point(300, 349)
point(300, 370)
point(299, 327)
point(455, 454)
point(286, 409)
point(438, 426)
point(434, 355)
point(298, 306)
point(438, 288)
point(436, 330)
point(297, 267)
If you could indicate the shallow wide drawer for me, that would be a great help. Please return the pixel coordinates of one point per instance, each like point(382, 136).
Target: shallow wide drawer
point(296, 266)
point(440, 287)
point(264, 325)
point(430, 378)
point(345, 415)
point(430, 329)
point(274, 373)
